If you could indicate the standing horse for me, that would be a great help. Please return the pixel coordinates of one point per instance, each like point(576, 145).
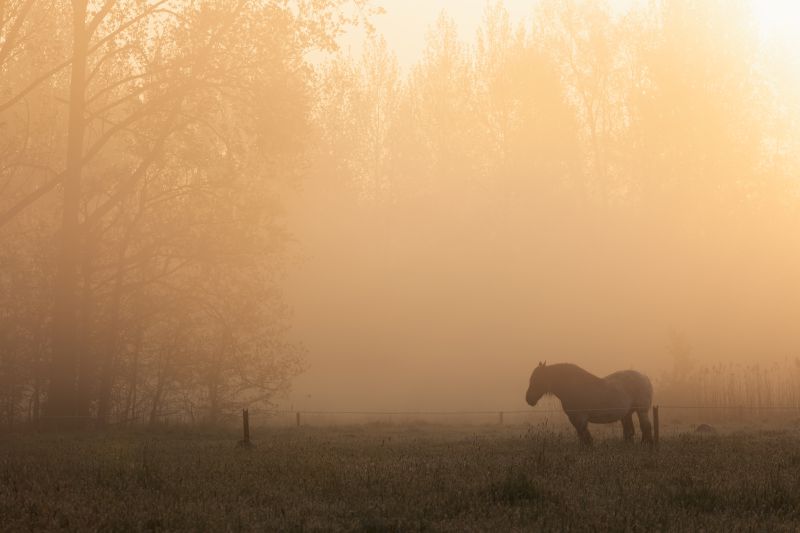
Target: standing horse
point(588, 398)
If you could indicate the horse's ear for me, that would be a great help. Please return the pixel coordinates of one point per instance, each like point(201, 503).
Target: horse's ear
point(541, 364)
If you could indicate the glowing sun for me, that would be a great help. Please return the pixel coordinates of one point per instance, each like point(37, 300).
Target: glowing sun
point(778, 19)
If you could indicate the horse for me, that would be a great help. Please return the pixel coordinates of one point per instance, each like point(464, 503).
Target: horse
point(587, 398)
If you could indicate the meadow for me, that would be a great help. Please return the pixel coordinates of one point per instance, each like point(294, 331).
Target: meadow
point(399, 477)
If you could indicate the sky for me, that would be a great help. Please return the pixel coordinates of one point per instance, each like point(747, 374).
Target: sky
point(405, 22)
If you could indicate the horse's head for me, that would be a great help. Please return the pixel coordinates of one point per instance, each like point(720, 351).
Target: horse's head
point(537, 387)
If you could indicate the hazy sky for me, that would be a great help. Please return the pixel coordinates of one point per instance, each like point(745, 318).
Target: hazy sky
point(405, 22)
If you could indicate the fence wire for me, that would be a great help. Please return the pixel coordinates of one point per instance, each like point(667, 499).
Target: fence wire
point(515, 411)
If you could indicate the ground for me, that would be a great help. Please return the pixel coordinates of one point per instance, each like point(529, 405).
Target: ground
point(399, 477)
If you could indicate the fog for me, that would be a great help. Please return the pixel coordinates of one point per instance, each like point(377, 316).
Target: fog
point(351, 205)
point(432, 313)
point(446, 298)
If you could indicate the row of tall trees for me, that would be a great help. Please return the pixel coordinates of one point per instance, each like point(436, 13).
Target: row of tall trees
point(143, 147)
point(580, 177)
point(667, 106)
point(575, 172)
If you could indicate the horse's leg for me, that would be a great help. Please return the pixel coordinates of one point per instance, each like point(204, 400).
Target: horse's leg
point(581, 423)
point(644, 425)
point(627, 427)
point(587, 437)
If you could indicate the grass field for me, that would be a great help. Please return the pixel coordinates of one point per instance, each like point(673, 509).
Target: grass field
point(399, 477)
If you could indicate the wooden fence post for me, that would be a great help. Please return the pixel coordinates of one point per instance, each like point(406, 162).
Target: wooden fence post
point(297, 417)
point(655, 426)
point(245, 443)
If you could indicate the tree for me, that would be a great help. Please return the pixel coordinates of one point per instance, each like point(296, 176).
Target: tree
point(697, 64)
point(533, 129)
point(181, 120)
point(356, 113)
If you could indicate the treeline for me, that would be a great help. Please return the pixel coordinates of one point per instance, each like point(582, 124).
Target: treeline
point(576, 185)
point(669, 106)
point(143, 146)
point(578, 169)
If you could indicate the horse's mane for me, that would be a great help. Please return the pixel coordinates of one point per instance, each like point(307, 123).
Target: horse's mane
point(561, 371)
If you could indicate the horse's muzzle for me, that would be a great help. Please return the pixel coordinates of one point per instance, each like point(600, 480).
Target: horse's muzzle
point(530, 399)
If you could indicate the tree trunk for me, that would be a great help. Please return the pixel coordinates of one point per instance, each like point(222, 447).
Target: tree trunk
point(108, 361)
point(215, 379)
point(164, 372)
point(87, 359)
point(157, 399)
point(61, 405)
point(109, 352)
point(133, 381)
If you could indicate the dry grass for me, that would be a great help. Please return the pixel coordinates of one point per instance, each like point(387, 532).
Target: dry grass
point(406, 478)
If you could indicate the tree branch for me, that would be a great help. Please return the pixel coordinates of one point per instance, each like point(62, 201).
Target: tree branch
point(98, 18)
point(11, 213)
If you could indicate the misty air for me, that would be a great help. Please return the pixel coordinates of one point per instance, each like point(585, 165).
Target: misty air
point(399, 265)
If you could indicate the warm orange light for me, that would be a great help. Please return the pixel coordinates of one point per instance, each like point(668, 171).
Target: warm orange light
point(778, 18)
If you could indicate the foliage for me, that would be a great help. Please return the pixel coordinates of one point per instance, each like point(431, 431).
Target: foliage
point(593, 160)
point(756, 386)
point(145, 145)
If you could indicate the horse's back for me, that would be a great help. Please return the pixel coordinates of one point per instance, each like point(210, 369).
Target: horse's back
point(635, 384)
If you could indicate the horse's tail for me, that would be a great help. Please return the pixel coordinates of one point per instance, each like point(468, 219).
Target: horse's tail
point(646, 399)
point(640, 389)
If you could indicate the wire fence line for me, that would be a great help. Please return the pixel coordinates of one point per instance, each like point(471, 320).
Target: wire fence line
point(268, 412)
point(516, 411)
point(724, 414)
point(333, 417)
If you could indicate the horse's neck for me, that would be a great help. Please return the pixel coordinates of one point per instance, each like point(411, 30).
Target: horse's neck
point(562, 391)
point(569, 387)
